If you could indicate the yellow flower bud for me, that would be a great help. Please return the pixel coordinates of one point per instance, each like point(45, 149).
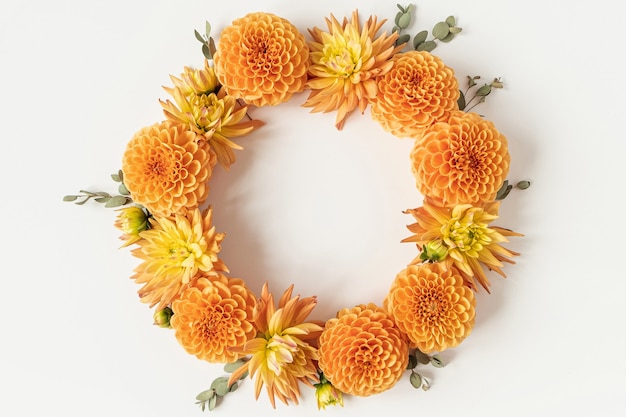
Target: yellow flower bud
point(131, 221)
point(327, 394)
point(162, 317)
point(434, 251)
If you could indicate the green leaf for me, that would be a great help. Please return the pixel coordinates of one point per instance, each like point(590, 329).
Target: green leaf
point(220, 385)
point(207, 28)
point(461, 101)
point(397, 18)
point(451, 21)
point(422, 357)
point(437, 362)
point(420, 38)
point(213, 403)
point(427, 46)
point(483, 91)
point(403, 39)
point(400, 8)
point(198, 36)
point(116, 178)
point(232, 367)
point(441, 30)
point(70, 198)
point(102, 199)
point(123, 190)
point(118, 200)
point(522, 185)
point(416, 380)
point(404, 21)
point(412, 362)
point(455, 30)
point(448, 38)
point(206, 52)
point(80, 203)
point(233, 387)
point(205, 395)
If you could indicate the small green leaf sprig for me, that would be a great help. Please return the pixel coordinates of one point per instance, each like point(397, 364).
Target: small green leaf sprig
point(417, 357)
point(208, 44)
point(479, 93)
point(443, 31)
point(105, 198)
point(506, 188)
point(211, 398)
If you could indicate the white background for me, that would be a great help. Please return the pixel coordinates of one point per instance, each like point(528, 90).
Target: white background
point(308, 205)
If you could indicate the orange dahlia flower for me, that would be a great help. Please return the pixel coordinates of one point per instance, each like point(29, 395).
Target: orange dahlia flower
point(213, 316)
point(463, 161)
point(173, 252)
point(262, 59)
point(417, 91)
point(462, 237)
point(345, 62)
point(282, 354)
point(362, 352)
point(432, 305)
point(167, 169)
point(209, 112)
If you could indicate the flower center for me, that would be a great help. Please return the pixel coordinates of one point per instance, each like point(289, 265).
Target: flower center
point(432, 306)
point(213, 323)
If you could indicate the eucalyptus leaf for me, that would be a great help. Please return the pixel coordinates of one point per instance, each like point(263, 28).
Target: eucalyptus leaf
point(427, 46)
point(212, 403)
point(461, 101)
point(402, 10)
point(123, 190)
point(198, 36)
point(116, 178)
point(412, 362)
point(437, 362)
point(404, 21)
point(441, 30)
point(118, 200)
point(206, 52)
point(70, 198)
point(484, 90)
point(403, 39)
point(397, 18)
point(522, 185)
point(233, 387)
point(205, 395)
point(451, 21)
point(416, 380)
point(220, 385)
point(207, 28)
point(80, 203)
point(448, 38)
point(420, 38)
point(233, 366)
point(422, 357)
point(102, 199)
point(455, 30)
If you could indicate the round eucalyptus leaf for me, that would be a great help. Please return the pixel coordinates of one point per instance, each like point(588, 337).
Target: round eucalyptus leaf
point(441, 30)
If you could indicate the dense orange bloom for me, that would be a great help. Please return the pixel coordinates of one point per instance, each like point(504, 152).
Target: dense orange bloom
point(362, 352)
point(262, 59)
point(167, 169)
point(463, 161)
point(173, 252)
point(418, 91)
point(213, 316)
point(432, 305)
point(344, 64)
point(283, 353)
point(461, 236)
point(207, 110)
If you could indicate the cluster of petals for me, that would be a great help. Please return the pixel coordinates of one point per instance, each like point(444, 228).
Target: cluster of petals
point(173, 252)
point(345, 62)
point(362, 351)
point(167, 168)
point(462, 161)
point(214, 316)
point(262, 58)
point(466, 236)
point(431, 304)
point(416, 92)
point(284, 352)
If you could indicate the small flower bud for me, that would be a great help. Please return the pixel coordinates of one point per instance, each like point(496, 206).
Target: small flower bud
point(434, 251)
point(327, 394)
point(162, 318)
point(131, 221)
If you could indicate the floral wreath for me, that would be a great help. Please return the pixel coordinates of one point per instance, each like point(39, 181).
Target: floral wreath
point(459, 159)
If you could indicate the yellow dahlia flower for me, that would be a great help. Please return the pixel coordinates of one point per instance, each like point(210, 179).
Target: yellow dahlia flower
point(464, 238)
point(212, 316)
point(167, 169)
point(362, 351)
point(131, 221)
point(173, 252)
point(282, 353)
point(345, 62)
point(212, 114)
point(462, 161)
point(262, 59)
point(418, 91)
point(431, 304)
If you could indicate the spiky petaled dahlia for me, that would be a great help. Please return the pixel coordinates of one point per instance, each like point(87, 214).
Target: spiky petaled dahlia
point(345, 62)
point(431, 304)
point(167, 169)
point(362, 352)
point(131, 221)
point(282, 354)
point(416, 92)
point(462, 161)
point(212, 316)
point(209, 112)
point(464, 238)
point(173, 252)
point(262, 58)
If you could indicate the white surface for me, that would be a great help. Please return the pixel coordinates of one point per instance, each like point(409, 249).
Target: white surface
point(309, 205)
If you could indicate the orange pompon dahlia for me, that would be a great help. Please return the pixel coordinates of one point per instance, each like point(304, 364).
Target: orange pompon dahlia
point(362, 352)
point(283, 354)
point(416, 92)
point(214, 315)
point(461, 236)
point(173, 252)
point(167, 168)
point(431, 304)
point(262, 59)
point(344, 64)
point(462, 161)
point(207, 110)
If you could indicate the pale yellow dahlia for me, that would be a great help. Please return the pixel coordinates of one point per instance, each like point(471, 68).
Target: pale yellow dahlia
point(173, 252)
point(416, 92)
point(131, 221)
point(262, 58)
point(362, 351)
point(214, 315)
point(210, 113)
point(431, 304)
point(345, 62)
point(462, 236)
point(167, 168)
point(462, 161)
point(283, 353)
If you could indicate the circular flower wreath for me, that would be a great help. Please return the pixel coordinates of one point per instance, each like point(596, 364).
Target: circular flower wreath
point(459, 159)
